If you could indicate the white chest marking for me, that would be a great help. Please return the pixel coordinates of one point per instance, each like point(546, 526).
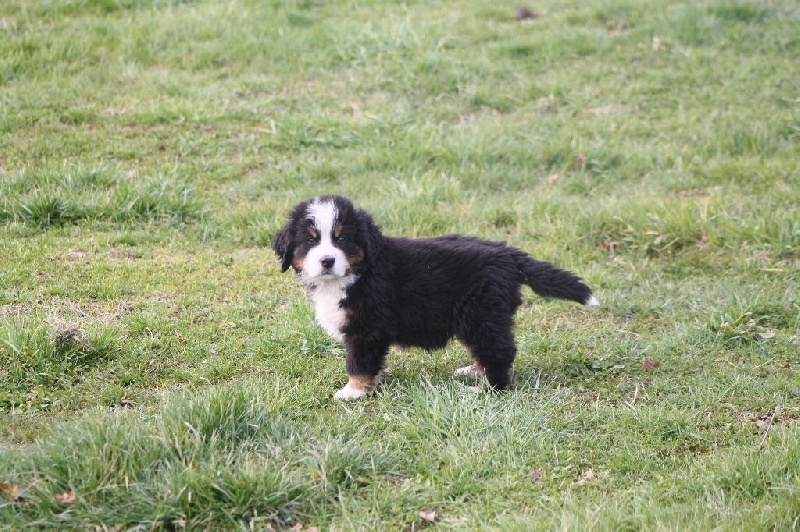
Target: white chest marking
point(327, 287)
point(327, 297)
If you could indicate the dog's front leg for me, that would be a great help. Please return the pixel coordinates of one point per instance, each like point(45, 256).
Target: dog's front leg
point(366, 359)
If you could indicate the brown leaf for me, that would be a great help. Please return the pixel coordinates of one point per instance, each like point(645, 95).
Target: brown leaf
point(587, 475)
point(648, 363)
point(9, 491)
point(536, 475)
point(68, 497)
point(428, 515)
point(764, 420)
point(525, 14)
point(580, 161)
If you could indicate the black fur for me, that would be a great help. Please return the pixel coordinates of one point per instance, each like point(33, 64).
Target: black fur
point(422, 292)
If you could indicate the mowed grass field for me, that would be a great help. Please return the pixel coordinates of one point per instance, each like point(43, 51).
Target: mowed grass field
point(158, 371)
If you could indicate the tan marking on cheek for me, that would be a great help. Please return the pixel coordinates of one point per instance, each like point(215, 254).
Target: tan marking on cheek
point(337, 232)
point(298, 263)
point(312, 232)
point(356, 259)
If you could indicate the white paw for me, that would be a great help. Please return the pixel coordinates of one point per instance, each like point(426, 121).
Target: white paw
point(592, 301)
point(473, 370)
point(347, 393)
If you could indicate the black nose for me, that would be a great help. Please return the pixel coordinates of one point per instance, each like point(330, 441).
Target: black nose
point(327, 262)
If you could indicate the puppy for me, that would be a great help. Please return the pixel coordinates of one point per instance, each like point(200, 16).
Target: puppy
point(372, 291)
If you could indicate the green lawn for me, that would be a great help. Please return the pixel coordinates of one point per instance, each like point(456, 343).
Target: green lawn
point(158, 371)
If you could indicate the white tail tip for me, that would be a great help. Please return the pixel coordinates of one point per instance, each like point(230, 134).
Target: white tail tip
point(592, 301)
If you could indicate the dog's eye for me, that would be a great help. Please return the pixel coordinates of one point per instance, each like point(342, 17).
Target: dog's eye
point(341, 239)
point(311, 240)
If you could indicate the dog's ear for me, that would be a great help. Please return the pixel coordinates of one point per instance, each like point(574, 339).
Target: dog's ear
point(284, 245)
point(371, 235)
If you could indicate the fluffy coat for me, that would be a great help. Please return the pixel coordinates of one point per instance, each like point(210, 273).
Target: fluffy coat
point(373, 291)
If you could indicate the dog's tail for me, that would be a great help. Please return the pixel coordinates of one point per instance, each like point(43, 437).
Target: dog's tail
point(549, 281)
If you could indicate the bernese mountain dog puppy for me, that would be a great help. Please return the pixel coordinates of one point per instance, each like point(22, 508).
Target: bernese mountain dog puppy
point(372, 291)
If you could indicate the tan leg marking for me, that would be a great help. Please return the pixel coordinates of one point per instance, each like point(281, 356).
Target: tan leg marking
point(358, 386)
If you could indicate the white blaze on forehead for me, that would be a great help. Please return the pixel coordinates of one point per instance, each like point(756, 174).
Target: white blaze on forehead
point(324, 216)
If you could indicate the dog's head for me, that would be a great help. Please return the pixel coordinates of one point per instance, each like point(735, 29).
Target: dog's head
point(327, 238)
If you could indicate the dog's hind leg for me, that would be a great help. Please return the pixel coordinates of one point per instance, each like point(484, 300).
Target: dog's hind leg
point(494, 355)
point(484, 323)
point(491, 344)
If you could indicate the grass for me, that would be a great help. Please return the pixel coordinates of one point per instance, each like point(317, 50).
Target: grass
point(71, 195)
point(157, 370)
